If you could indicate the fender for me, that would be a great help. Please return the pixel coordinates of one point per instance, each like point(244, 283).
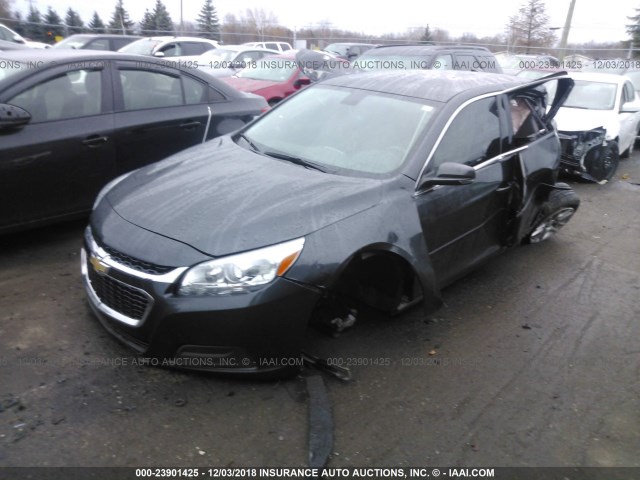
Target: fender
point(390, 226)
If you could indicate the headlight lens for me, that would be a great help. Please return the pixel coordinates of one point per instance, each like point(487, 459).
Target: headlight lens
point(241, 273)
point(108, 187)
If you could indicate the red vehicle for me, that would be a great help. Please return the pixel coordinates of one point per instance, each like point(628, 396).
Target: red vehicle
point(274, 78)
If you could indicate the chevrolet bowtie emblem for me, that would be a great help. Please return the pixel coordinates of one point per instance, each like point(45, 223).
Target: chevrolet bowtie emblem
point(98, 265)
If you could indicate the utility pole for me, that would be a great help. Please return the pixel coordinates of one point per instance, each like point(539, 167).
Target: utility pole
point(181, 23)
point(565, 31)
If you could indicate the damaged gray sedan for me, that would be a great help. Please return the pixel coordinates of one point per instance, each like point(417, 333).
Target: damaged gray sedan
point(379, 188)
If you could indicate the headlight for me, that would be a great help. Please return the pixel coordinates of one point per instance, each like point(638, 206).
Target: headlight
point(108, 187)
point(243, 272)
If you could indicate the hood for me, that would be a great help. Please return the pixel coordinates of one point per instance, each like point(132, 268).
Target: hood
point(220, 198)
point(579, 119)
point(249, 84)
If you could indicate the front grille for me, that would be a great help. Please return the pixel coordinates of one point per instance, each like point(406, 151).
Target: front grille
point(124, 299)
point(136, 264)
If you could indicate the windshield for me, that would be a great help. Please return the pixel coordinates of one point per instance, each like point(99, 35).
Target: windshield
point(392, 62)
point(592, 95)
point(144, 46)
point(337, 48)
point(75, 42)
point(344, 130)
point(272, 69)
point(9, 68)
point(222, 54)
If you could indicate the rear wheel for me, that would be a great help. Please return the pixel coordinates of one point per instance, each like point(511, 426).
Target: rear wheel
point(555, 214)
point(602, 163)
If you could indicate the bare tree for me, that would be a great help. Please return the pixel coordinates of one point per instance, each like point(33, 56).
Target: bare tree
point(5, 10)
point(529, 28)
point(261, 21)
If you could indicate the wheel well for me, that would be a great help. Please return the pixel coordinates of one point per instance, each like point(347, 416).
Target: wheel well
point(380, 279)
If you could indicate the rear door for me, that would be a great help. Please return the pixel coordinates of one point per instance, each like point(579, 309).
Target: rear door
point(159, 111)
point(56, 164)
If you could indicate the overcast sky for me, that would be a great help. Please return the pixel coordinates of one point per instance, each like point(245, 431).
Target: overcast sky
point(592, 20)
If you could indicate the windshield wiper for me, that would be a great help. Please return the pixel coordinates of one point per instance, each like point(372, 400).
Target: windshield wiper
point(296, 160)
point(251, 144)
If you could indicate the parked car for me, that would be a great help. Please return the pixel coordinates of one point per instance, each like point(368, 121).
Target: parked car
point(512, 64)
point(274, 78)
point(71, 120)
point(86, 41)
point(280, 46)
point(218, 257)
point(183, 47)
point(4, 46)
point(348, 51)
point(599, 121)
point(226, 61)
point(431, 57)
point(9, 35)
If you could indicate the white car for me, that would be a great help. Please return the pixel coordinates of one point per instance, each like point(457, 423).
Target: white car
point(9, 35)
point(227, 60)
point(597, 123)
point(176, 48)
point(279, 46)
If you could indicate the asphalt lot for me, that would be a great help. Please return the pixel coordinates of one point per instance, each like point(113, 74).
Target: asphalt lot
point(534, 361)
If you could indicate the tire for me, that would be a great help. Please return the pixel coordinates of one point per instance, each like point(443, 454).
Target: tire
point(601, 163)
point(555, 214)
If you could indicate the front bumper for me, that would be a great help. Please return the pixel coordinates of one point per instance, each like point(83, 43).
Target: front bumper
point(577, 147)
point(257, 332)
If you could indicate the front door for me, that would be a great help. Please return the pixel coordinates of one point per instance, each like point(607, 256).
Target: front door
point(464, 224)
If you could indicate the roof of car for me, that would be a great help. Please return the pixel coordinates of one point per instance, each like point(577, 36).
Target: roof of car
point(101, 35)
point(166, 38)
point(53, 55)
point(598, 77)
point(434, 85)
point(421, 48)
point(239, 48)
point(356, 44)
point(34, 59)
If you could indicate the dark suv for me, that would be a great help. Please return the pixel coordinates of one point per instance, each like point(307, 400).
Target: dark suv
point(348, 51)
point(428, 57)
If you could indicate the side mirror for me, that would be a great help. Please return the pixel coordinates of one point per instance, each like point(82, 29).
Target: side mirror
point(630, 107)
point(12, 116)
point(159, 54)
point(18, 39)
point(301, 82)
point(449, 173)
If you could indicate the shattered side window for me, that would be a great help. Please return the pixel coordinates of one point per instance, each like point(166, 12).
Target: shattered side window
point(472, 138)
point(520, 112)
point(526, 124)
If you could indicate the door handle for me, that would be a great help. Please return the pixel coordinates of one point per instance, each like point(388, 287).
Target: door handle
point(190, 125)
point(94, 141)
